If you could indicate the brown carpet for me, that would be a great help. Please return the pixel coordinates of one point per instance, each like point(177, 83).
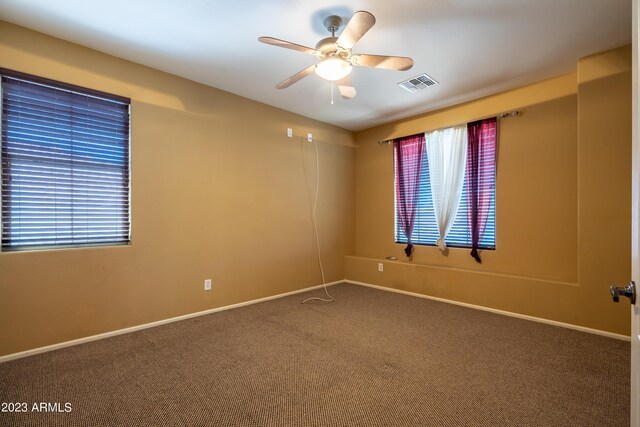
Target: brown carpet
point(371, 358)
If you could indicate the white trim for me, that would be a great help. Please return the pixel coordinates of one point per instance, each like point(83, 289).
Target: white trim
point(57, 346)
point(496, 311)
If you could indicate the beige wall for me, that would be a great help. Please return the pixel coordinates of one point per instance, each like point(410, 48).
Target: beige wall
point(218, 191)
point(563, 202)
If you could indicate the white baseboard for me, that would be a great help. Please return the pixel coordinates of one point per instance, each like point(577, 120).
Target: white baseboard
point(496, 311)
point(57, 346)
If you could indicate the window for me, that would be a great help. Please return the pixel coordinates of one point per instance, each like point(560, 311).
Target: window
point(65, 165)
point(425, 229)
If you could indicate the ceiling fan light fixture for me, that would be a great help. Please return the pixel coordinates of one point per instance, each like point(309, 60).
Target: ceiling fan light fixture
point(333, 69)
point(334, 53)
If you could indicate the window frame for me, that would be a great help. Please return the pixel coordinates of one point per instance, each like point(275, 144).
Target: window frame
point(84, 91)
point(397, 230)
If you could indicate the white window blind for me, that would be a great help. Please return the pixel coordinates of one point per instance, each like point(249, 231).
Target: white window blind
point(65, 165)
point(425, 231)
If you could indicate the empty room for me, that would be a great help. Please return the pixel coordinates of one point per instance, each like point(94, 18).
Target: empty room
point(288, 213)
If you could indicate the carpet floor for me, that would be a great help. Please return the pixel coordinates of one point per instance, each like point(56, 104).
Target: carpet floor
point(371, 358)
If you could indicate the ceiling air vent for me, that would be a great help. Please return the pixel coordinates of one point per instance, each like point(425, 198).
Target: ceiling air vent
point(417, 83)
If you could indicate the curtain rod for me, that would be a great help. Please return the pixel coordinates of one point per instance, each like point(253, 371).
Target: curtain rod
point(514, 113)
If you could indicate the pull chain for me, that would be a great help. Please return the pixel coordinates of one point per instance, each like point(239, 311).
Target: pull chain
point(332, 89)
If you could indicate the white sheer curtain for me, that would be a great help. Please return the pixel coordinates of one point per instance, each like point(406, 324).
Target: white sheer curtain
point(447, 156)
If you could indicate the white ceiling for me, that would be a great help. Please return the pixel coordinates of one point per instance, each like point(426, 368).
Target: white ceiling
point(471, 47)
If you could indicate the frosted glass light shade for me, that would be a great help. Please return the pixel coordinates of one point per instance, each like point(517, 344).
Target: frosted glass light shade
point(333, 69)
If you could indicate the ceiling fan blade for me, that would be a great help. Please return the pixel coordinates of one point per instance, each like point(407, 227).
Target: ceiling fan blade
point(283, 43)
point(298, 76)
point(346, 88)
point(357, 27)
point(400, 63)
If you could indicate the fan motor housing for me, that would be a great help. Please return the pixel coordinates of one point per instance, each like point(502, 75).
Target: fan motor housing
point(328, 47)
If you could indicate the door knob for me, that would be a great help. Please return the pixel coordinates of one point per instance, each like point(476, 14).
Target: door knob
point(629, 291)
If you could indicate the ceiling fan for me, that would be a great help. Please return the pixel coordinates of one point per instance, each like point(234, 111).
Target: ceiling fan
point(334, 53)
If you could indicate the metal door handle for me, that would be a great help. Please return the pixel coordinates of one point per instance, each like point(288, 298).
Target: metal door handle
point(629, 291)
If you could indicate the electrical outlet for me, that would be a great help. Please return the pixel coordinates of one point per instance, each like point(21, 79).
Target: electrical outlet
point(207, 284)
point(380, 266)
point(309, 137)
point(289, 132)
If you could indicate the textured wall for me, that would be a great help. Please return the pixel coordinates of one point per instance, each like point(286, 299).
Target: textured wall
point(218, 191)
point(563, 212)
